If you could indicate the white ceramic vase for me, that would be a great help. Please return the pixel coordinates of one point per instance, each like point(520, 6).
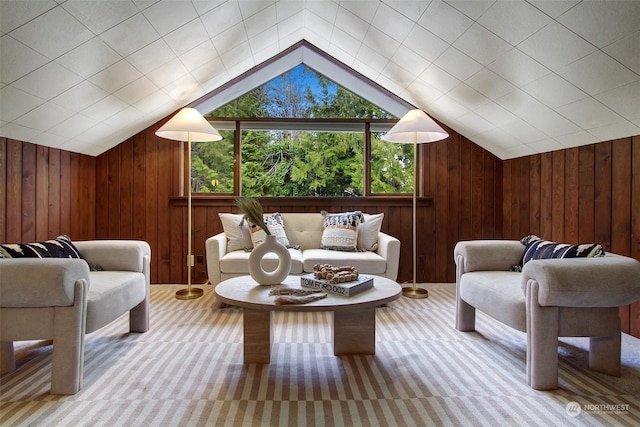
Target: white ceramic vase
point(257, 272)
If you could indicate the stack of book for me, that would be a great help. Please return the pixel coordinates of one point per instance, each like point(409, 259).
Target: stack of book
point(346, 289)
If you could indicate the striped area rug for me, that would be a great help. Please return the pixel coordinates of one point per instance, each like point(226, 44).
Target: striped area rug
point(188, 371)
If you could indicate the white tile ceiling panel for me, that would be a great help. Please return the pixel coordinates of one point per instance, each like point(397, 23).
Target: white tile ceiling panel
point(53, 33)
point(89, 58)
point(14, 103)
point(623, 100)
point(30, 60)
point(554, 8)
point(98, 15)
point(151, 57)
point(81, 96)
point(364, 9)
point(513, 21)
point(44, 117)
point(626, 51)
point(186, 37)
point(351, 24)
point(131, 35)
point(392, 23)
point(481, 44)
point(250, 7)
point(116, 76)
point(518, 68)
point(490, 84)
point(458, 64)
point(48, 81)
point(444, 21)
point(603, 22)
point(553, 90)
point(167, 16)
point(14, 13)
point(424, 43)
point(555, 46)
point(589, 114)
point(261, 21)
point(221, 18)
point(518, 77)
point(597, 73)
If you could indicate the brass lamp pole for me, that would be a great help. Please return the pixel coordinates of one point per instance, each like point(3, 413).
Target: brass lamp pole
point(415, 127)
point(189, 125)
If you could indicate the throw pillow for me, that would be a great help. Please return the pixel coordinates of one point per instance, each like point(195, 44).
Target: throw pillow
point(275, 224)
point(537, 248)
point(60, 247)
point(368, 232)
point(341, 231)
point(236, 230)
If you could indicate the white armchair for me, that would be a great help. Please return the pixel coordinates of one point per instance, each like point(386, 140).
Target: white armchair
point(62, 300)
point(550, 298)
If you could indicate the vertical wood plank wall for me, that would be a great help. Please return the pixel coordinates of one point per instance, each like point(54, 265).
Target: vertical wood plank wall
point(45, 192)
point(579, 195)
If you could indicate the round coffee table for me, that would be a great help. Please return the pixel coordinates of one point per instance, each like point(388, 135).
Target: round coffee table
point(354, 318)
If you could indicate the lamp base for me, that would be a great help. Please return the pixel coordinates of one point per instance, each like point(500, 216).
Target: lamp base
point(189, 293)
point(417, 293)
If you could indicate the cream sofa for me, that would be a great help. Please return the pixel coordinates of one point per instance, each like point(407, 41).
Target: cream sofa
point(304, 230)
point(550, 298)
point(62, 299)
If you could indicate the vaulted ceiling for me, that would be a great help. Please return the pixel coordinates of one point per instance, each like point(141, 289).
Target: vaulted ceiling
point(516, 77)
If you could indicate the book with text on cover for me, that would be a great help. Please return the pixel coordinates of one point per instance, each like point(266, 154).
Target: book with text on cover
point(345, 289)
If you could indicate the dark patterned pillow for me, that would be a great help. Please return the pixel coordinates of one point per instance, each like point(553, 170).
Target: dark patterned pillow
point(60, 247)
point(537, 248)
point(341, 231)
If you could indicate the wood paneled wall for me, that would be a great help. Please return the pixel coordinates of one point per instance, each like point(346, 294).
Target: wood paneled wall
point(45, 192)
point(137, 197)
point(579, 195)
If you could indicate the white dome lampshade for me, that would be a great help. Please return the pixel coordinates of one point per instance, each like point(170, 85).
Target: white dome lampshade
point(188, 124)
point(415, 127)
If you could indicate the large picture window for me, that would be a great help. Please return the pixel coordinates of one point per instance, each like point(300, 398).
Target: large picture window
point(301, 135)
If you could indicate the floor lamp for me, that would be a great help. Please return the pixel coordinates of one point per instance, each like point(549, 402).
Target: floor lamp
point(189, 125)
point(414, 128)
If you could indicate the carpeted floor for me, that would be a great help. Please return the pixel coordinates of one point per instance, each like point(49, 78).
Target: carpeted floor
point(188, 371)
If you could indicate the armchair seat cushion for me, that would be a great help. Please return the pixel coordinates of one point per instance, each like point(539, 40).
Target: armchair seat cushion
point(496, 293)
point(112, 293)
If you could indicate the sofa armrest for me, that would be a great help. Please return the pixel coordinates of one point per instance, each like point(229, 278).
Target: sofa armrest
point(116, 255)
point(487, 255)
point(609, 281)
point(37, 282)
point(216, 248)
point(389, 249)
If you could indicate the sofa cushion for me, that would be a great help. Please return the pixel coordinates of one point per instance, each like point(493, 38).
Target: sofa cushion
point(236, 230)
point(238, 262)
point(368, 231)
point(304, 229)
point(537, 248)
point(364, 262)
point(60, 247)
point(341, 231)
point(496, 293)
